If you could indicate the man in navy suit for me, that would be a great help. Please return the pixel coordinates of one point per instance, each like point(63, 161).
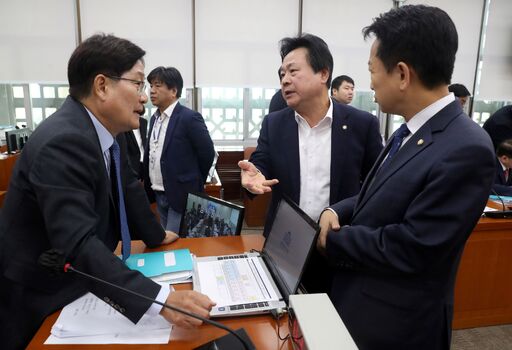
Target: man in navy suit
point(135, 143)
point(72, 190)
point(315, 151)
point(503, 178)
point(398, 243)
point(179, 151)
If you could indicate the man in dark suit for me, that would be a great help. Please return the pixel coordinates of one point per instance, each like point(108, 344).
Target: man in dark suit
point(180, 150)
point(503, 178)
point(316, 151)
point(499, 125)
point(135, 143)
point(402, 237)
point(72, 190)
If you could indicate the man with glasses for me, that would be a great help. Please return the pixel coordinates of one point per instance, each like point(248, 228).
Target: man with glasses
point(72, 191)
point(179, 152)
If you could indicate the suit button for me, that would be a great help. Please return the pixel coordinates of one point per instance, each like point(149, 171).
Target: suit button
point(106, 299)
point(122, 310)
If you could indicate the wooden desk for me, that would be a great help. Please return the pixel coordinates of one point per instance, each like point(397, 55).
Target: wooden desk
point(7, 162)
point(261, 329)
point(483, 289)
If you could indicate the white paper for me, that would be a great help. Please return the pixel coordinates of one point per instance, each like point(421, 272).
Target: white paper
point(234, 281)
point(90, 315)
point(489, 209)
point(158, 336)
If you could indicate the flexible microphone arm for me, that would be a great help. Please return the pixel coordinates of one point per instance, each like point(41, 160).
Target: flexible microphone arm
point(55, 261)
point(499, 197)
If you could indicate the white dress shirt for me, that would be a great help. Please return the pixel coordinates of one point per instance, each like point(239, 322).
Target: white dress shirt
point(315, 163)
point(156, 144)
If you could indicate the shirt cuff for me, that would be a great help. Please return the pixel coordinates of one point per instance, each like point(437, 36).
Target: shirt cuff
point(155, 308)
point(332, 211)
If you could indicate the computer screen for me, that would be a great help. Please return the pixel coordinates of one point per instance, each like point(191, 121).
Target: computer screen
point(207, 216)
point(290, 242)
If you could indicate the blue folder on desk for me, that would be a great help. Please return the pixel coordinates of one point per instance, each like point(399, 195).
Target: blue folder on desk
point(504, 198)
point(160, 263)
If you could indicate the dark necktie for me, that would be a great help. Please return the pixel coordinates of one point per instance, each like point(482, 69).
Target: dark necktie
point(115, 155)
point(398, 138)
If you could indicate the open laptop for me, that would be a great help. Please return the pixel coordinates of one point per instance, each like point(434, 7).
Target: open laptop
point(207, 216)
point(252, 283)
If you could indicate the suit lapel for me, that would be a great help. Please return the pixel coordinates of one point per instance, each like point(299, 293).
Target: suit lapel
point(171, 126)
point(290, 148)
point(339, 148)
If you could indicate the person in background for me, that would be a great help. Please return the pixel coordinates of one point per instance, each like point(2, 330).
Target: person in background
point(135, 142)
point(503, 179)
point(398, 243)
point(180, 150)
point(342, 89)
point(461, 92)
point(499, 125)
point(72, 190)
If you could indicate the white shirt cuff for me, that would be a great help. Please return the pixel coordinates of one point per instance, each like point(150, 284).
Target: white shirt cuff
point(155, 308)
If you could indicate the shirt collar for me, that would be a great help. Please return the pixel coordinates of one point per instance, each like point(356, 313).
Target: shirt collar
point(168, 111)
point(105, 137)
point(325, 120)
point(420, 118)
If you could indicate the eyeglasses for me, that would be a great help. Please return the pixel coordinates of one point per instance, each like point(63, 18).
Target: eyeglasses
point(141, 85)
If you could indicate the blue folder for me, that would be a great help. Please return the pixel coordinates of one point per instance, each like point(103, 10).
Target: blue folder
point(160, 263)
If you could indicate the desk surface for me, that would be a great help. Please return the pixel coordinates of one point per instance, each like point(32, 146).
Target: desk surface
point(261, 329)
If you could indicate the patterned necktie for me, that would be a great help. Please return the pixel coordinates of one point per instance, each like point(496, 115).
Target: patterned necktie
point(398, 138)
point(115, 155)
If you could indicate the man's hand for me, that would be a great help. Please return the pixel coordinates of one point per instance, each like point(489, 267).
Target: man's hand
point(169, 237)
point(190, 301)
point(328, 222)
point(253, 180)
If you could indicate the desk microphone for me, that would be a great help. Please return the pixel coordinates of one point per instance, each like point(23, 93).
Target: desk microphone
point(55, 261)
point(499, 214)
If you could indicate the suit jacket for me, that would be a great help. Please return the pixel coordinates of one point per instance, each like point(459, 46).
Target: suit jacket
point(355, 144)
point(187, 156)
point(133, 149)
point(60, 197)
point(398, 254)
point(502, 186)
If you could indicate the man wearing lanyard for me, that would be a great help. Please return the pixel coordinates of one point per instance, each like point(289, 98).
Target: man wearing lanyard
point(180, 150)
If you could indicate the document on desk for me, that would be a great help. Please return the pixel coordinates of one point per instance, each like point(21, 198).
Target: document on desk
point(91, 317)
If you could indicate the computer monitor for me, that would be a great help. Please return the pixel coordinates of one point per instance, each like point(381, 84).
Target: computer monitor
point(207, 216)
point(16, 139)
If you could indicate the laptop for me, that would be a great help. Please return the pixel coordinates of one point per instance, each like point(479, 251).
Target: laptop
point(207, 216)
point(253, 283)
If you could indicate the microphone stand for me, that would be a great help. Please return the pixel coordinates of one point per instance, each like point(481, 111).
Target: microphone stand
point(503, 214)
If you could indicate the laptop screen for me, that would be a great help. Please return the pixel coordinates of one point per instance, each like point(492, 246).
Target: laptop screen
point(290, 241)
point(206, 216)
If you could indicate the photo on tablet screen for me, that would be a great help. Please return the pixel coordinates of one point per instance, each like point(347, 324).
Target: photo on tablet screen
point(207, 216)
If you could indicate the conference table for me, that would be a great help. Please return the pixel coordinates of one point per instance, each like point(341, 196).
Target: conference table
point(262, 329)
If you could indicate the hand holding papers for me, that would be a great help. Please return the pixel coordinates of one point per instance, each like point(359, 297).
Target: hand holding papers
point(89, 320)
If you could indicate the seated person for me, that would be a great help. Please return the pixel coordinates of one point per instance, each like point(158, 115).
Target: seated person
point(503, 179)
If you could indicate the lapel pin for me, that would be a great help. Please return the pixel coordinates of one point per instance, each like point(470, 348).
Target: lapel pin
point(344, 127)
point(420, 142)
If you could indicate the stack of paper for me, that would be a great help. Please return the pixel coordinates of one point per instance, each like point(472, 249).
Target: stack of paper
point(89, 320)
point(172, 266)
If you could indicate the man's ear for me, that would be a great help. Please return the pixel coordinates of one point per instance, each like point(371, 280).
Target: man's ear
point(324, 75)
point(405, 73)
point(100, 86)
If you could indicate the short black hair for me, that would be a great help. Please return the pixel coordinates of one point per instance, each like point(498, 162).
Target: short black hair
point(319, 56)
point(505, 149)
point(336, 82)
point(100, 54)
point(170, 76)
point(423, 37)
point(459, 90)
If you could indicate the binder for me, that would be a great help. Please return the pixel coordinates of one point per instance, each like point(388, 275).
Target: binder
point(174, 266)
